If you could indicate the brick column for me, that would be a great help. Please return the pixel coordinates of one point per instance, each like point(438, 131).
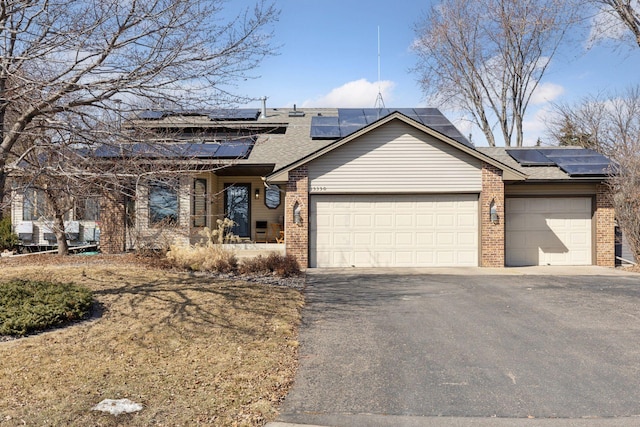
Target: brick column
point(605, 227)
point(492, 235)
point(297, 235)
point(112, 224)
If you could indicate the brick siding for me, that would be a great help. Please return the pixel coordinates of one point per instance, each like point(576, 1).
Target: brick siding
point(112, 223)
point(492, 235)
point(297, 235)
point(605, 227)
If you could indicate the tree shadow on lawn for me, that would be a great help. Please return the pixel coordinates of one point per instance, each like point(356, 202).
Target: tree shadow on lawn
point(187, 304)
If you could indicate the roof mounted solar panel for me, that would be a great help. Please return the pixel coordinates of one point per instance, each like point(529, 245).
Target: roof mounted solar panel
point(373, 114)
point(352, 117)
point(324, 121)
point(579, 160)
point(567, 152)
point(325, 127)
point(350, 120)
point(208, 150)
point(587, 169)
point(325, 132)
point(346, 130)
point(248, 114)
point(530, 157)
point(151, 115)
point(234, 150)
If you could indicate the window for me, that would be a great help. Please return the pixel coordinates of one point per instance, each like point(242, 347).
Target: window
point(200, 203)
point(272, 196)
point(33, 206)
point(163, 203)
point(88, 209)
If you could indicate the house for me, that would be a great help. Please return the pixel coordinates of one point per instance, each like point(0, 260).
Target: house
point(367, 188)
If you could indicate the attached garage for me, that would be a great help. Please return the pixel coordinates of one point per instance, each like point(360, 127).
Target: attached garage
point(394, 230)
point(548, 231)
point(410, 191)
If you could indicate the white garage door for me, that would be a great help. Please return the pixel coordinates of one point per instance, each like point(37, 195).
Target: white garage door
point(548, 231)
point(394, 230)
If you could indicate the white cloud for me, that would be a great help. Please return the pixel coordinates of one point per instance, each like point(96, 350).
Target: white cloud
point(546, 92)
point(535, 126)
point(357, 93)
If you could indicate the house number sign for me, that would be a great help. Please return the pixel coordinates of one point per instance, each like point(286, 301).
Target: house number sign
point(318, 188)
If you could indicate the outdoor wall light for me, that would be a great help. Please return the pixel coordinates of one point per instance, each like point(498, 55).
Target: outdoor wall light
point(297, 217)
point(493, 212)
point(257, 193)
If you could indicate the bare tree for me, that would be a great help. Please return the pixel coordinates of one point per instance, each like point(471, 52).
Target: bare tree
point(583, 124)
point(613, 126)
point(487, 57)
point(64, 62)
point(625, 12)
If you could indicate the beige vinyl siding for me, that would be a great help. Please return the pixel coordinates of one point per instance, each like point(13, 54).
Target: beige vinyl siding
point(395, 158)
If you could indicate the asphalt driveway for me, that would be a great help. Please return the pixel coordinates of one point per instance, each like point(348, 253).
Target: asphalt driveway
point(408, 346)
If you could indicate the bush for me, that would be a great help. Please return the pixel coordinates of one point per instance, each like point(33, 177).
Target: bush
point(281, 265)
point(8, 239)
point(202, 258)
point(28, 306)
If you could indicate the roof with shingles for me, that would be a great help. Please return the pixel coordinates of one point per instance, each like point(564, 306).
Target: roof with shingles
point(280, 148)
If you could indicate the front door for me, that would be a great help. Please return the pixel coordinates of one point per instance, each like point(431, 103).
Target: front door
point(238, 209)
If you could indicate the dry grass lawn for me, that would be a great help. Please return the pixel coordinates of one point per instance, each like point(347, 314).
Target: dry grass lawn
point(192, 350)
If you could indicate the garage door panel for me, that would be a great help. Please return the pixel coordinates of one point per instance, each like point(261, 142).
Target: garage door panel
point(445, 220)
point(424, 220)
point(362, 221)
point(404, 221)
point(341, 220)
point(467, 220)
point(394, 230)
point(553, 231)
point(425, 239)
point(362, 239)
point(383, 239)
point(404, 239)
point(383, 220)
point(467, 239)
point(467, 258)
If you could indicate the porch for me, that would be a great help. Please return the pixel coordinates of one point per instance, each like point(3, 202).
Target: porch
point(250, 250)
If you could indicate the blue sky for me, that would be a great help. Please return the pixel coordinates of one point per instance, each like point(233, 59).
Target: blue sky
point(328, 58)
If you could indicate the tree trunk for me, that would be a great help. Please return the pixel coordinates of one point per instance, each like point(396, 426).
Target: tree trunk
point(61, 238)
point(3, 181)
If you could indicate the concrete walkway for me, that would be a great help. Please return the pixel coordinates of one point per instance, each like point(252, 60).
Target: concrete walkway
point(545, 270)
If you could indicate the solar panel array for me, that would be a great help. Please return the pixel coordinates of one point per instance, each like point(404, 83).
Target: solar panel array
point(233, 114)
point(573, 161)
point(237, 149)
point(351, 120)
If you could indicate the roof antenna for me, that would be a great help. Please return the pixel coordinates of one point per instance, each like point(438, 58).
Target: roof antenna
point(379, 101)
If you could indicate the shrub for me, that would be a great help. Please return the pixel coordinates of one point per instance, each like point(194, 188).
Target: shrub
point(202, 258)
point(28, 306)
point(8, 239)
point(281, 265)
point(209, 256)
